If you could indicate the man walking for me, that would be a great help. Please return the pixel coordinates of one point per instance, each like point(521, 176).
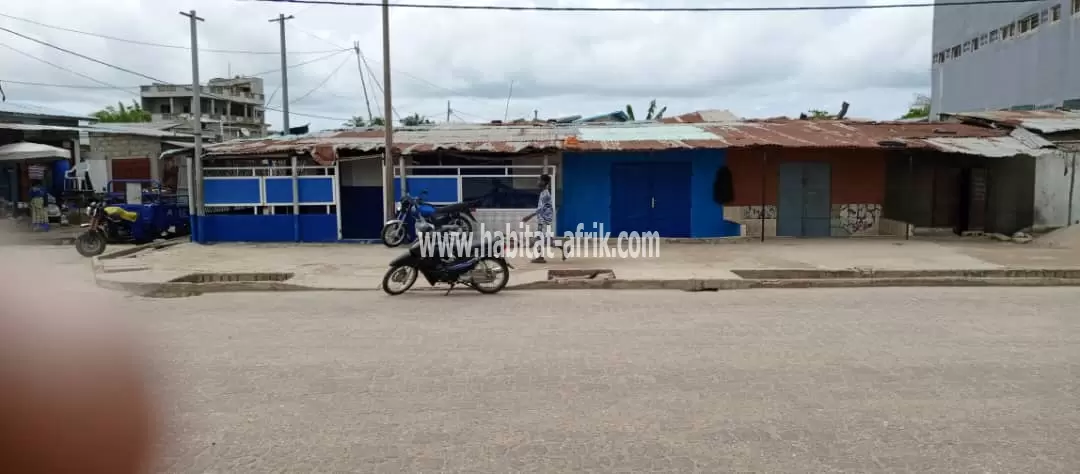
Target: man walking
point(545, 213)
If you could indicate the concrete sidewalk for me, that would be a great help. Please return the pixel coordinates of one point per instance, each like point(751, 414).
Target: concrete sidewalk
point(361, 267)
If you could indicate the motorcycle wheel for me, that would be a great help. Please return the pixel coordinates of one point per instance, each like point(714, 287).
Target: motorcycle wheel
point(462, 223)
point(393, 234)
point(501, 279)
point(90, 244)
point(407, 274)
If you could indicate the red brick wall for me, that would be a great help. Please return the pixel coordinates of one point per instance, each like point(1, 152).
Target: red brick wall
point(858, 175)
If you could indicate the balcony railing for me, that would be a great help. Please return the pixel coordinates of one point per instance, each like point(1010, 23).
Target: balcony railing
point(209, 90)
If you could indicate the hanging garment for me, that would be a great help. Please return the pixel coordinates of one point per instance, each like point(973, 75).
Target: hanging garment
point(723, 188)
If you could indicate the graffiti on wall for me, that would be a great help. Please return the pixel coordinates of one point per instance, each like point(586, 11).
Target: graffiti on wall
point(859, 218)
point(755, 212)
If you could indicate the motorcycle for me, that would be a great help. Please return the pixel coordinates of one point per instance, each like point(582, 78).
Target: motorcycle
point(116, 224)
point(469, 270)
point(413, 211)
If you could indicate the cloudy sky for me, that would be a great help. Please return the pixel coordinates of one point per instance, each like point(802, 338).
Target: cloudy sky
point(756, 64)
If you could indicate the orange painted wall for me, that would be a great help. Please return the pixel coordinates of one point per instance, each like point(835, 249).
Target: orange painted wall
point(857, 177)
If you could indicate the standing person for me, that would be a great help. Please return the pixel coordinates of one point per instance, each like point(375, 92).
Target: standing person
point(39, 217)
point(545, 213)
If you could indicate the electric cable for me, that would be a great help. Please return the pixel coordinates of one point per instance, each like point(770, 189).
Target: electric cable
point(650, 9)
point(149, 43)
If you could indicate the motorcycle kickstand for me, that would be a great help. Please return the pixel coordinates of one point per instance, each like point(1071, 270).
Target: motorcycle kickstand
point(448, 291)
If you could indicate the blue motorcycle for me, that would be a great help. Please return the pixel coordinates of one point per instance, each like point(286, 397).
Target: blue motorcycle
point(412, 211)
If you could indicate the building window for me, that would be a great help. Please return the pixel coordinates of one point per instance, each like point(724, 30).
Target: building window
point(1075, 6)
point(995, 35)
point(1008, 31)
point(967, 46)
point(956, 51)
point(165, 109)
point(1044, 17)
point(1055, 13)
point(985, 38)
point(975, 44)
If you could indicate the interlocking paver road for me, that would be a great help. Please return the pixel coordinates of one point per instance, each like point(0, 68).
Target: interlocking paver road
point(862, 380)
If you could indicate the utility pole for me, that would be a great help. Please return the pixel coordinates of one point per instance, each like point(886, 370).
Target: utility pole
point(388, 114)
point(363, 84)
point(448, 110)
point(284, 74)
point(195, 187)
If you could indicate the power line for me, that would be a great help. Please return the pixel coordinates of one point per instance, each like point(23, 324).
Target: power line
point(275, 109)
point(88, 58)
point(321, 84)
point(148, 43)
point(151, 78)
point(63, 86)
point(651, 9)
point(302, 63)
point(62, 68)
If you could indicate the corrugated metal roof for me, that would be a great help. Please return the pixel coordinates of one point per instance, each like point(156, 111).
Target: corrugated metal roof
point(647, 136)
point(1019, 142)
point(1042, 121)
point(475, 138)
point(22, 108)
point(703, 116)
point(146, 132)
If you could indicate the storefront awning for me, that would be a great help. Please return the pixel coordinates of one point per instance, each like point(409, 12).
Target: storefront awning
point(23, 151)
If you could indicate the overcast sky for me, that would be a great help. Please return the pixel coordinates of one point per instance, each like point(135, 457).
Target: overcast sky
point(755, 64)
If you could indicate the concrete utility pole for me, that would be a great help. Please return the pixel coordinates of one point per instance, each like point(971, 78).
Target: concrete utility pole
point(448, 111)
point(195, 187)
point(388, 115)
point(284, 75)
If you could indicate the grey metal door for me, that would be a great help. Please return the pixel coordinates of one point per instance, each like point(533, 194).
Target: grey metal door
point(804, 208)
point(817, 211)
point(789, 209)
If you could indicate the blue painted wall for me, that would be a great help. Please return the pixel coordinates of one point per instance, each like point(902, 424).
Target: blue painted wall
point(586, 189)
point(276, 228)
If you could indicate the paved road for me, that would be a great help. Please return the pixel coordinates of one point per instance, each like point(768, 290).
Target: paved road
point(921, 380)
point(925, 380)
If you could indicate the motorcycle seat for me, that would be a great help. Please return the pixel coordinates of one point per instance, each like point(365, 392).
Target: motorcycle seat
point(122, 214)
point(452, 208)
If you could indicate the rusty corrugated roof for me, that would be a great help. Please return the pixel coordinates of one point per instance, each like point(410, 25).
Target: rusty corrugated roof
point(618, 137)
point(1042, 121)
point(501, 139)
point(703, 116)
point(1019, 142)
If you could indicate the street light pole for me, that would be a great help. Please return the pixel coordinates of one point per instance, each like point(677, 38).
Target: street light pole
point(195, 188)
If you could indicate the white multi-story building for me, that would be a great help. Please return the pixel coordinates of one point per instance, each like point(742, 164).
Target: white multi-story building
point(1019, 56)
point(232, 108)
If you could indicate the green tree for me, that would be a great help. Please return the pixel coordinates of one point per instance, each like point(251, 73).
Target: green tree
point(652, 114)
point(361, 122)
point(818, 114)
point(414, 120)
point(122, 113)
point(919, 108)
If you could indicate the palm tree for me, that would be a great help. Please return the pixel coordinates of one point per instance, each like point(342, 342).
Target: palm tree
point(652, 113)
point(122, 113)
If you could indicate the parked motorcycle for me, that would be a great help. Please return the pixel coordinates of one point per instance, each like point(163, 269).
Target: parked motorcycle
point(413, 211)
point(110, 224)
point(474, 271)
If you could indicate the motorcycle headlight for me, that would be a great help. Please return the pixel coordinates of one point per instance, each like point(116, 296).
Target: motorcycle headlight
point(397, 207)
point(89, 210)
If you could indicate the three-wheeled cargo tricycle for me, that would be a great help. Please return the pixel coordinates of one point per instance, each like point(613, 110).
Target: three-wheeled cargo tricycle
point(114, 219)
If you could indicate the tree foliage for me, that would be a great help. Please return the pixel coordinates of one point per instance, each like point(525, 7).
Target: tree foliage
point(361, 122)
point(818, 114)
point(919, 108)
point(652, 113)
point(414, 120)
point(122, 113)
